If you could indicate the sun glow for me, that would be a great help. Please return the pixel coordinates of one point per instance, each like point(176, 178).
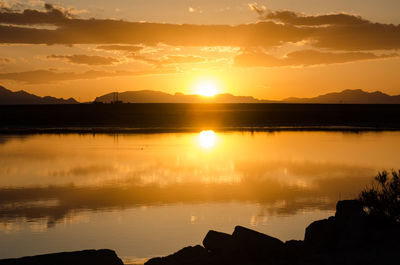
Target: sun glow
point(207, 139)
point(206, 88)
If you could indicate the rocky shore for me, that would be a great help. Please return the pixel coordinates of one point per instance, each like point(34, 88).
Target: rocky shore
point(85, 257)
point(350, 237)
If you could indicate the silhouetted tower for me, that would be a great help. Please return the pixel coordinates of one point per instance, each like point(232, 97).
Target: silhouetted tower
point(115, 98)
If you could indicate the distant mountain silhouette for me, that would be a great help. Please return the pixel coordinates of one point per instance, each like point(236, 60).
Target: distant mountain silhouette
point(8, 97)
point(348, 96)
point(358, 96)
point(150, 96)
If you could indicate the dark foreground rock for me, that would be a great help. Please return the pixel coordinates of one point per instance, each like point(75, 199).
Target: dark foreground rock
point(350, 237)
point(85, 257)
point(189, 255)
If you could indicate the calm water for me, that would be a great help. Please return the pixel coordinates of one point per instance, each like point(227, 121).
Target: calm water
point(152, 194)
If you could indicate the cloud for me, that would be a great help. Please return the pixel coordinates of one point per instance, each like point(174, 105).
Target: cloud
point(369, 36)
point(19, 4)
point(179, 59)
point(338, 31)
point(51, 15)
point(258, 9)
point(49, 76)
point(169, 60)
point(333, 31)
point(298, 19)
point(98, 31)
point(102, 31)
point(304, 58)
point(85, 59)
point(4, 5)
point(120, 48)
point(145, 59)
point(195, 10)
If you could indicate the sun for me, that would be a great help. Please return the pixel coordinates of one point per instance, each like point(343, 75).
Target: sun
point(206, 88)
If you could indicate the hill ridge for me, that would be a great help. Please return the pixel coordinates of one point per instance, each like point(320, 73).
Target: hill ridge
point(347, 96)
point(21, 97)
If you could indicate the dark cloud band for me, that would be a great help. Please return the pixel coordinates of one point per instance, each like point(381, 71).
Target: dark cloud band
point(48, 76)
point(304, 58)
point(85, 59)
point(333, 31)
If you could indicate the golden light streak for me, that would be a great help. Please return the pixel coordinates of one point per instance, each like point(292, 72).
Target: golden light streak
point(207, 139)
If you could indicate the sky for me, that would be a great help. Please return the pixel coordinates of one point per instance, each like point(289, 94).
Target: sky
point(270, 49)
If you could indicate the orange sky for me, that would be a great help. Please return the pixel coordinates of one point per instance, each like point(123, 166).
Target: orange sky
point(268, 49)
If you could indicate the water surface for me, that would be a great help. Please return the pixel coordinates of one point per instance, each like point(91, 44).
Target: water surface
point(152, 194)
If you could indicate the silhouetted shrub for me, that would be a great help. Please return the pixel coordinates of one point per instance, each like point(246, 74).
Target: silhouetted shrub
point(382, 199)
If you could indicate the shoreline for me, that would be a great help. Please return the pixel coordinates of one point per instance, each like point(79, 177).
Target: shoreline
point(155, 118)
point(156, 130)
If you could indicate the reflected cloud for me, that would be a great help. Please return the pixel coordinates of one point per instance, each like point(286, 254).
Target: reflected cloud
point(193, 219)
point(274, 196)
point(83, 171)
point(4, 139)
point(293, 176)
point(255, 220)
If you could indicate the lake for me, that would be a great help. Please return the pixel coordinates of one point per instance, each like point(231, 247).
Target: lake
point(146, 195)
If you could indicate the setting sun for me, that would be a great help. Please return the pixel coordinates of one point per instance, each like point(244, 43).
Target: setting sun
point(146, 125)
point(207, 88)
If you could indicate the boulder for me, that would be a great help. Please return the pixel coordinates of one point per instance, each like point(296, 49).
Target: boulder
point(294, 248)
point(348, 209)
point(349, 237)
point(346, 230)
point(248, 238)
point(321, 234)
point(218, 242)
point(196, 255)
point(85, 257)
point(243, 245)
point(255, 244)
point(351, 224)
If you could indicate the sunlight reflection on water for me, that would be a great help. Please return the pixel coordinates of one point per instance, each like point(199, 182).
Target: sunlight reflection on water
point(207, 139)
point(142, 189)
